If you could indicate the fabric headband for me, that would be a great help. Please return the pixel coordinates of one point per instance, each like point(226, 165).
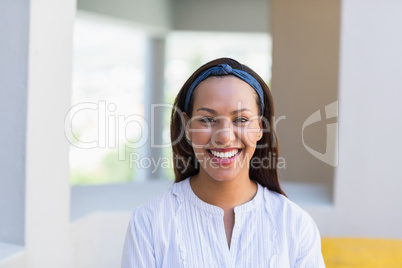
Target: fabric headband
point(224, 69)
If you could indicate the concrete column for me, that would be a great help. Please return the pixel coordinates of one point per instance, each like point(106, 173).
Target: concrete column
point(153, 98)
point(47, 151)
point(13, 98)
point(369, 181)
point(305, 38)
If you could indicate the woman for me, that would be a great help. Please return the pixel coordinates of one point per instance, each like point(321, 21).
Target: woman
point(226, 207)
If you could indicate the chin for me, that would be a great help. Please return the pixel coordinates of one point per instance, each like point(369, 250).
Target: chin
point(222, 174)
point(219, 171)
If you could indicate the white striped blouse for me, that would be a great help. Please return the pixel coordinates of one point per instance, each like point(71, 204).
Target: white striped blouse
point(180, 230)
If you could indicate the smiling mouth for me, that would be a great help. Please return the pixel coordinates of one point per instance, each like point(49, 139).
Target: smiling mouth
point(224, 155)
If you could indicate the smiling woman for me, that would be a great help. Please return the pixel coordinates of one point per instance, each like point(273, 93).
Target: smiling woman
point(224, 209)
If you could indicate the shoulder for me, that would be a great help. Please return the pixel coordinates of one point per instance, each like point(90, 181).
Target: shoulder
point(279, 204)
point(287, 213)
point(295, 226)
point(159, 208)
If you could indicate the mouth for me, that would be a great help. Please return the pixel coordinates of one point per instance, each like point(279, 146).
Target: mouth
point(224, 154)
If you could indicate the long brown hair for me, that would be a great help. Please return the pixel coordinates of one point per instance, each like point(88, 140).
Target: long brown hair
point(185, 162)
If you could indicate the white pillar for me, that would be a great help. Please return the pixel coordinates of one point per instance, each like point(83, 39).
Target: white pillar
point(369, 180)
point(47, 152)
point(13, 98)
point(153, 97)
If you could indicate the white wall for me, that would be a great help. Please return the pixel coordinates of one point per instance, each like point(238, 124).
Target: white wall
point(368, 179)
point(100, 216)
point(97, 240)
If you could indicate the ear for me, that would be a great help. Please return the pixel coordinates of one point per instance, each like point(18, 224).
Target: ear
point(260, 133)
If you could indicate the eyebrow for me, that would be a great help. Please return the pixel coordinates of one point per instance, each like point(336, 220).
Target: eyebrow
point(214, 112)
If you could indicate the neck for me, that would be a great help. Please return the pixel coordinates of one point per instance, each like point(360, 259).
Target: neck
point(224, 194)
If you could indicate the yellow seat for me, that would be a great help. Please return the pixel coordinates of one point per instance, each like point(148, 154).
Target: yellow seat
point(362, 253)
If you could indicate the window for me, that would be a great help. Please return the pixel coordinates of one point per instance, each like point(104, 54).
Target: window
point(108, 80)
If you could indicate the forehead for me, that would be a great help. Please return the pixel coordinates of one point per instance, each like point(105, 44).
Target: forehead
point(225, 92)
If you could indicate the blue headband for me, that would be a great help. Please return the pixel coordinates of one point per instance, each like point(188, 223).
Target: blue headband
point(224, 69)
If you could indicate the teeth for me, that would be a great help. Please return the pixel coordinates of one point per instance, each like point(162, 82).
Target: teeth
point(224, 155)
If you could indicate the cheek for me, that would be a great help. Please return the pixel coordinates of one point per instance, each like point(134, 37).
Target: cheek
point(250, 135)
point(200, 138)
point(250, 139)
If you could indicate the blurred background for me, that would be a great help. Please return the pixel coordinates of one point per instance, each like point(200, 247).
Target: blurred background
point(86, 89)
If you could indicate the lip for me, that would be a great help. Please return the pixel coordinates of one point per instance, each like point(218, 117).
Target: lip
point(226, 149)
point(224, 162)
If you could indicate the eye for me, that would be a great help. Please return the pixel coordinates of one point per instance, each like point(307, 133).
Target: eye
point(207, 120)
point(241, 120)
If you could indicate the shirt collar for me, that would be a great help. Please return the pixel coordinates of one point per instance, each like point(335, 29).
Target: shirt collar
point(183, 189)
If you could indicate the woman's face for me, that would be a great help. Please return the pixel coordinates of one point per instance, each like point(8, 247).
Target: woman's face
point(225, 127)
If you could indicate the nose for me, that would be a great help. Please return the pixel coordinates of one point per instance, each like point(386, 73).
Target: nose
point(224, 135)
